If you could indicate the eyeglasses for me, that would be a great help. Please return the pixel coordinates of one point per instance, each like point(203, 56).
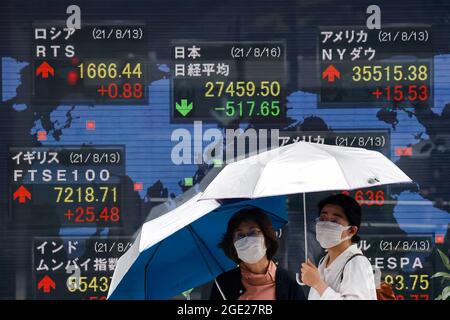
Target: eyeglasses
point(252, 233)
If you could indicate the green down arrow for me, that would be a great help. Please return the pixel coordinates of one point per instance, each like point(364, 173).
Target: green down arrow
point(184, 108)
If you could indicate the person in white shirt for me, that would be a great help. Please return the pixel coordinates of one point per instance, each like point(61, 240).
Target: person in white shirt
point(344, 273)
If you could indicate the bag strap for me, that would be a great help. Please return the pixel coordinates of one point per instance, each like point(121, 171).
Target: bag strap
point(348, 260)
point(321, 259)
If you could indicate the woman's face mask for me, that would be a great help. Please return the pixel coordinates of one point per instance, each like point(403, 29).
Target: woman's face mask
point(250, 249)
point(329, 234)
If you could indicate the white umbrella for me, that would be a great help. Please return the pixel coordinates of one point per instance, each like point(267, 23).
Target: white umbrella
point(304, 167)
point(179, 250)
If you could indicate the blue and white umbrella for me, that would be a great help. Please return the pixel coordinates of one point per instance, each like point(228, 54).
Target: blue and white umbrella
point(179, 250)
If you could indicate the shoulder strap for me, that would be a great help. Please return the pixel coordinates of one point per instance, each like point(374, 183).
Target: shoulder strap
point(348, 260)
point(321, 259)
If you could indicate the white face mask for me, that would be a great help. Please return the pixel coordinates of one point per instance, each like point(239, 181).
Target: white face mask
point(329, 233)
point(250, 249)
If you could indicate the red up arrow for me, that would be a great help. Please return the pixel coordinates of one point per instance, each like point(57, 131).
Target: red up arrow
point(331, 72)
point(44, 69)
point(46, 284)
point(22, 193)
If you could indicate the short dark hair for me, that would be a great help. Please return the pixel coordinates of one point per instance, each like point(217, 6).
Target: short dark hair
point(257, 216)
point(351, 208)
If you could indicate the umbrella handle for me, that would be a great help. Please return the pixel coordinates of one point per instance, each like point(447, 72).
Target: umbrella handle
point(297, 278)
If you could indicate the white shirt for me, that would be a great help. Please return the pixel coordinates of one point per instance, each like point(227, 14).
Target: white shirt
point(358, 282)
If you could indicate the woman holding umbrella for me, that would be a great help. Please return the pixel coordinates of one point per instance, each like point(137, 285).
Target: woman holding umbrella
point(344, 273)
point(250, 241)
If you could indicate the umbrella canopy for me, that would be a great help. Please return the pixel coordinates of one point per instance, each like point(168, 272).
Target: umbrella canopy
point(179, 250)
point(304, 167)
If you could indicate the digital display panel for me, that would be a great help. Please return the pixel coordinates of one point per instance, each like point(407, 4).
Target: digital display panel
point(111, 112)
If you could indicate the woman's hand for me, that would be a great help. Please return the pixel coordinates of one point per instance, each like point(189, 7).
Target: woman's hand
point(311, 277)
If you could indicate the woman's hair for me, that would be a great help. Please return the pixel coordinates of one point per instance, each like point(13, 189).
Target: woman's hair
point(351, 208)
point(257, 216)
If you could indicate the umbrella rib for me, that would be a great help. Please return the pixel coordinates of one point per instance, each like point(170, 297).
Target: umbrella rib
point(342, 170)
point(197, 237)
point(146, 266)
point(337, 162)
point(257, 183)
